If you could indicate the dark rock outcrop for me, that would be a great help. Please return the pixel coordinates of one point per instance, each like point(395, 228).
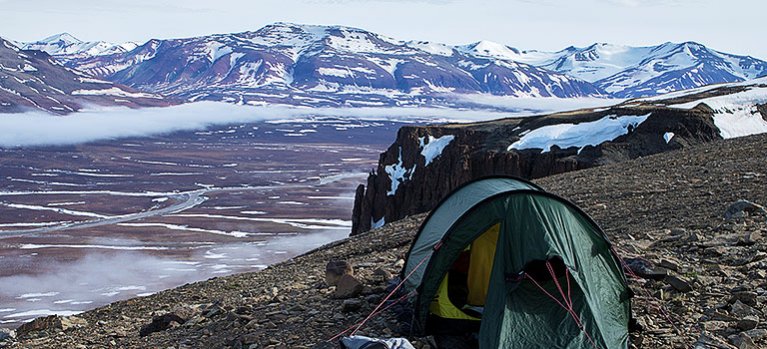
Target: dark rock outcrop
point(482, 149)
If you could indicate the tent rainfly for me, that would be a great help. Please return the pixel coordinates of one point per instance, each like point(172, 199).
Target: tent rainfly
point(520, 267)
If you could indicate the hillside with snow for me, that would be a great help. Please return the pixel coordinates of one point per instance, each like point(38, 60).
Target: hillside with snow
point(33, 80)
point(439, 156)
point(67, 46)
point(320, 66)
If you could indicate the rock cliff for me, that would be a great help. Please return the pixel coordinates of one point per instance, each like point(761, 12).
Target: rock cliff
point(426, 163)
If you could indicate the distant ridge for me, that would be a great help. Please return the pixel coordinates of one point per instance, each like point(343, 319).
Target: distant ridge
point(311, 65)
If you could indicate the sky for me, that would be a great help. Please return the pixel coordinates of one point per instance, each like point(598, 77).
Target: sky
point(734, 26)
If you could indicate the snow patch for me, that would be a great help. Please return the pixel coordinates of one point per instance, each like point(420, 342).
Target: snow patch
point(735, 115)
point(433, 149)
point(398, 174)
point(668, 136)
point(578, 135)
point(377, 224)
point(114, 91)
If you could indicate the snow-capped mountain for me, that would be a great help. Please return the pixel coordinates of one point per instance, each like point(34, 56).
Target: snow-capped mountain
point(333, 65)
point(625, 71)
point(323, 65)
point(65, 44)
point(32, 80)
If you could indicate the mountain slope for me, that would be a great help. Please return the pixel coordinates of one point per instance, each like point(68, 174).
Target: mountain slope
point(67, 46)
point(318, 65)
point(32, 80)
point(424, 163)
point(665, 208)
point(340, 66)
point(626, 72)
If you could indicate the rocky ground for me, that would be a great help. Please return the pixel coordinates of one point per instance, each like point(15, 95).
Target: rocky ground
point(702, 283)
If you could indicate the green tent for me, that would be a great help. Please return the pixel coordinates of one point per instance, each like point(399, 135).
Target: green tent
point(521, 267)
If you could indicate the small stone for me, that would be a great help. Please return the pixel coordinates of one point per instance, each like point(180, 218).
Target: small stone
point(749, 238)
point(51, 322)
point(742, 310)
point(748, 323)
point(742, 341)
point(645, 269)
point(757, 333)
point(161, 323)
point(669, 264)
point(399, 263)
point(678, 231)
point(249, 339)
point(335, 269)
point(350, 305)
point(347, 287)
point(741, 208)
point(678, 283)
point(747, 297)
point(719, 316)
point(6, 333)
point(710, 341)
point(382, 274)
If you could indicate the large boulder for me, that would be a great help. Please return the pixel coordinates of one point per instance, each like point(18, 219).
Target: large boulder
point(177, 316)
point(347, 287)
point(740, 208)
point(335, 269)
point(51, 322)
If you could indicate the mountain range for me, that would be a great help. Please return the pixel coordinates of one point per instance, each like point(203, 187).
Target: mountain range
point(33, 80)
point(310, 65)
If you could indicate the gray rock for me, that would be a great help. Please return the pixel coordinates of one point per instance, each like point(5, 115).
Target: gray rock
point(741, 208)
point(739, 309)
point(6, 333)
point(719, 316)
point(52, 322)
point(710, 341)
point(747, 297)
point(335, 269)
point(742, 341)
point(161, 323)
point(669, 264)
point(748, 322)
point(350, 305)
point(678, 283)
point(757, 333)
point(645, 269)
point(382, 274)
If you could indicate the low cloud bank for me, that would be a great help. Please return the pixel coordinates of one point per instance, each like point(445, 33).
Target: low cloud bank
point(40, 129)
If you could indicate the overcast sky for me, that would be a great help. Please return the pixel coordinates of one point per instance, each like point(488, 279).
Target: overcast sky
point(735, 26)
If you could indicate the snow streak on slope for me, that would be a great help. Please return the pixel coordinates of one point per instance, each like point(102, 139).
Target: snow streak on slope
point(432, 149)
point(315, 66)
point(736, 115)
point(311, 65)
point(567, 135)
point(66, 44)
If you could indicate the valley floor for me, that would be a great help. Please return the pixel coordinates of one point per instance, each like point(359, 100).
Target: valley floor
point(667, 207)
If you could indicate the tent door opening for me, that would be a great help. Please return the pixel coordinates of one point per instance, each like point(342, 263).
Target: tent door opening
point(463, 290)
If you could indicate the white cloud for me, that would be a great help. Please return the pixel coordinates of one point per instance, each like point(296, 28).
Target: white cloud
point(32, 129)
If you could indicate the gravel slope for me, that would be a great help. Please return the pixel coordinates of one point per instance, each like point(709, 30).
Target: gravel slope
point(666, 208)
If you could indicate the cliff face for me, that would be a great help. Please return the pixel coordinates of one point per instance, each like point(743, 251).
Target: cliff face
point(412, 177)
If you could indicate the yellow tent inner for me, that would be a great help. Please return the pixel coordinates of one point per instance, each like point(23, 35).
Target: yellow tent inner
point(480, 263)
